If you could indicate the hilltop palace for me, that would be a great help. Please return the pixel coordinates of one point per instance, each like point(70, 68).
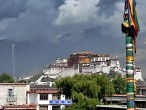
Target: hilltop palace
point(86, 63)
point(44, 96)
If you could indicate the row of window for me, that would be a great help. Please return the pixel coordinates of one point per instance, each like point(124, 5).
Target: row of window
point(45, 97)
point(46, 107)
point(42, 96)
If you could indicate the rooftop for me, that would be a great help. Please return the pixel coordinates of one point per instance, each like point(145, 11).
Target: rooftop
point(25, 107)
point(13, 83)
point(116, 106)
point(43, 91)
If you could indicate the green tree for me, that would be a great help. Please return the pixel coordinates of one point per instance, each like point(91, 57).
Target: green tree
point(22, 81)
point(65, 85)
point(90, 104)
point(119, 84)
point(107, 87)
point(5, 78)
point(85, 90)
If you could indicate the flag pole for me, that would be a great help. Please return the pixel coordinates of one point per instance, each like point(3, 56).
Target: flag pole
point(130, 27)
point(130, 73)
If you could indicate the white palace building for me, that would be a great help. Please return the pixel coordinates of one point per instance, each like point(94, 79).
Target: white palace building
point(86, 63)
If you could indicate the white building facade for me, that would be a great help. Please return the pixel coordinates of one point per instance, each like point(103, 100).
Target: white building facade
point(46, 98)
point(14, 96)
point(31, 97)
point(138, 74)
point(97, 63)
point(13, 93)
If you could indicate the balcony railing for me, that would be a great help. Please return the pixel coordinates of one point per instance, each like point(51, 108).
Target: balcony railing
point(12, 99)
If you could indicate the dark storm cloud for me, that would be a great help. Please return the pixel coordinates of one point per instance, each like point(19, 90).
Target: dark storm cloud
point(56, 28)
point(35, 19)
point(108, 6)
point(58, 3)
point(11, 8)
point(35, 23)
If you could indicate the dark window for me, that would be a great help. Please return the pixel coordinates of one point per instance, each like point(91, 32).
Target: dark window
point(43, 108)
point(55, 97)
point(55, 107)
point(10, 92)
point(43, 96)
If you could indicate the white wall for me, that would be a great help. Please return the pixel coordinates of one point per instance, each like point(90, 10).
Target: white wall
point(138, 76)
point(32, 98)
point(105, 69)
point(18, 90)
point(62, 97)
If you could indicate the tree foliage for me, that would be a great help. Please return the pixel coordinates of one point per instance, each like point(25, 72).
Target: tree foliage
point(107, 87)
point(119, 84)
point(65, 85)
point(5, 78)
point(85, 90)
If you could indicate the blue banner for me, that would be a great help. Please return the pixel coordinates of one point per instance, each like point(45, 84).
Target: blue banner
point(60, 102)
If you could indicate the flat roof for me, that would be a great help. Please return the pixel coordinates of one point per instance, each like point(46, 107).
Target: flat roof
point(44, 91)
point(25, 107)
point(124, 98)
point(113, 106)
point(13, 83)
point(117, 106)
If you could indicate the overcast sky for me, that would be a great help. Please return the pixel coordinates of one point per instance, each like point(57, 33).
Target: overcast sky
point(43, 30)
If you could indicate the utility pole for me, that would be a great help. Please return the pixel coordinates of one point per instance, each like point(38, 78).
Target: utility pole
point(130, 27)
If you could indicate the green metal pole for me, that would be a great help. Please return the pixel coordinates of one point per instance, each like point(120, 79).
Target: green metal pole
point(130, 27)
point(130, 73)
